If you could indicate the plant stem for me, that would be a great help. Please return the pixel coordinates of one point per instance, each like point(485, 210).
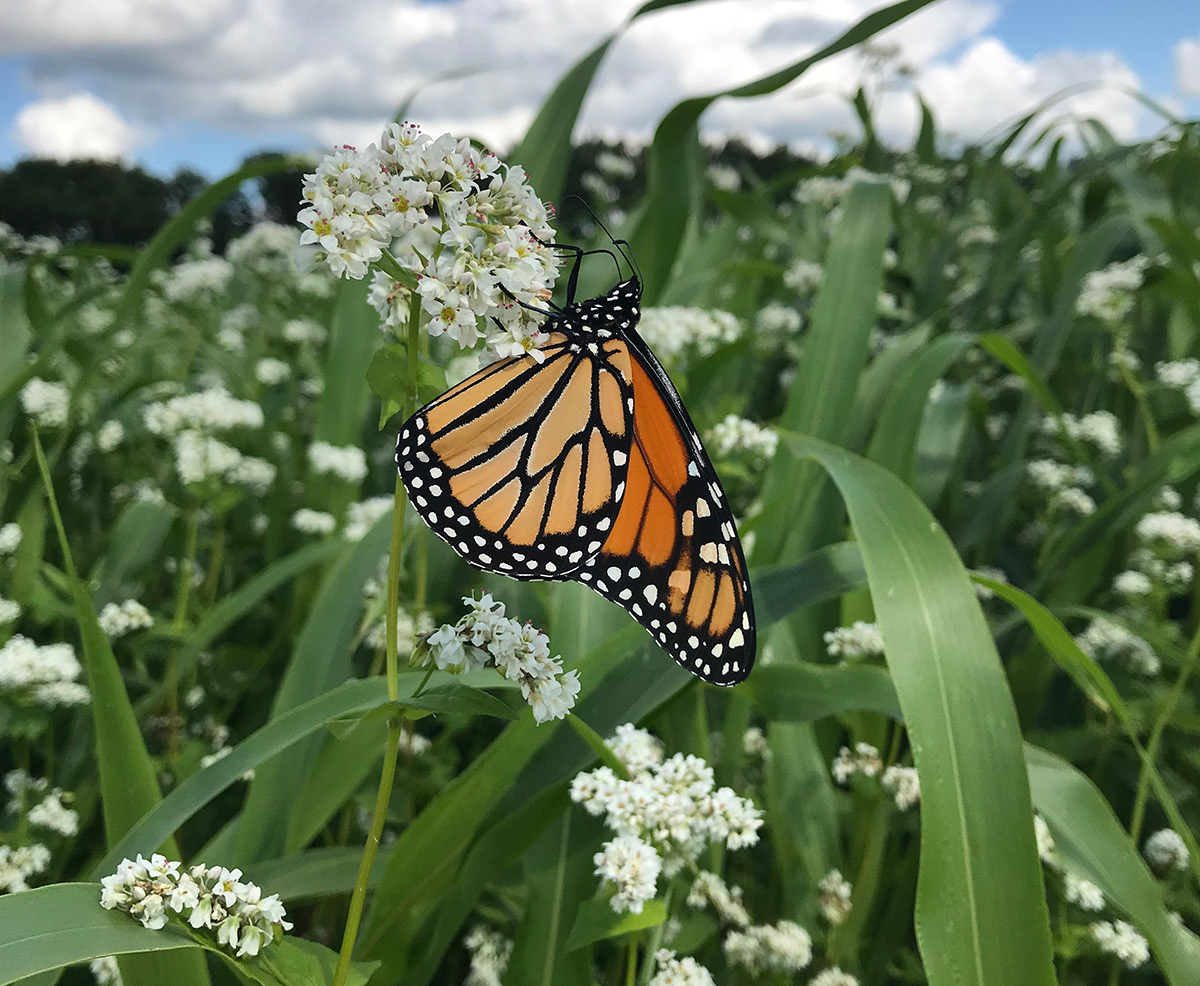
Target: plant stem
point(1156, 734)
point(631, 965)
point(392, 746)
point(181, 607)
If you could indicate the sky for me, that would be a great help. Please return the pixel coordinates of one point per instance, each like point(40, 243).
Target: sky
point(204, 83)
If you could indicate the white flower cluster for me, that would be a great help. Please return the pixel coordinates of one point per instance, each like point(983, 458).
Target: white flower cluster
point(1120, 939)
point(485, 636)
point(468, 225)
point(45, 807)
point(346, 462)
point(995, 574)
point(18, 865)
point(860, 639)
point(407, 632)
point(670, 971)
point(200, 457)
point(270, 371)
point(835, 894)
point(10, 538)
point(266, 249)
point(490, 952)
point(678, 332)
point(1054, 477)
point(106, 971)
point(1132, 584)
point(777, 320)
point(709, 888)
point(209, 897)
point(109, 435)
point(1100, 429)
point(40, 675)
point(833, 976)
point(303, 331)
point(980, 234)
point(754, 744)
point(197, 281)
point(362, 516)
point(780, 947)
point(864, 759)
point(9, 611)
point(1103, 640)
point(1170, 532)
point(308, 521)
point(902, 784)
point(46, 402)
point(1166, 850)
point(1047, 851)
point(118, 619)
point(664, 814)
point(1107, 294)
point(803, 277)
point(1182, 375)
point(735, 434)
point(1083, 893)
point(211, 411)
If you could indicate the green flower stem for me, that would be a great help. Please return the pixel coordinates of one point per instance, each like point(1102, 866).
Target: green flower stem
point(631, 965)
point(1156, 734)
point(181, 607)
point(391, 748)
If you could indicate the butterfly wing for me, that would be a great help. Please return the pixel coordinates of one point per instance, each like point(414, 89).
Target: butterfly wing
point(520, 467)
point(673, 559)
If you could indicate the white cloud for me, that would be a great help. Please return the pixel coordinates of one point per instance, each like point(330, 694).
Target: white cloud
point(75, 126)
point(1187, 67)
point(263, 65)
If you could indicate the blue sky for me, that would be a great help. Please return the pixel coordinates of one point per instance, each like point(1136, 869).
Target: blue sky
point(209, 82)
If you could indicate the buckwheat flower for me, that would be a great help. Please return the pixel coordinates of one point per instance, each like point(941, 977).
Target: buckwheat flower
point(304, 331)
point(199, 457)
point(732, 819)
point(1103, 640)
point(636, 748)
point(858, 640)
point(835, 895)
point(270, 371)
point(255, 474)
point(118, 619)
point(46, 402)
point(1073, 500)
point(1179, 374)
point(781, 947)
point(1168, 498)
point(9, 611)
point(490, 952)
point(198, 281)
point(735, 434)
point(266, 250)
point(390, 298)
point(1171, 531)
point(677, 332)
point(110, 435)
point(10, 538)
point(864, 760)
point(995, 574)
point(1100, 429)
point(346, 462)
point(803, 277)
point(630, 867)
point(308, 521)
point(18, 866)
point(1132, 584)
point(902, 783)
point(777, 320)
point(1166, 850)
point(708, 888)
point(51, 813)
point(686, 971)
point(40, 675)
point(106, 971)
point(754, 744)
point(978, 235)
point(362, 516)
point(1086, 895)
point(211, 411)
point(1054, 477)
point(1122, 940)
point(833, 977)
point(1107, 294)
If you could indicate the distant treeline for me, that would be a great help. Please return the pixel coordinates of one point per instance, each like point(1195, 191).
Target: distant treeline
point(109, 202)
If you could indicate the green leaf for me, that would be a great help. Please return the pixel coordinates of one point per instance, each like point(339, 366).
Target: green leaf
point(64, 924)
point(315, 874)
point(353, 337)
point(299, 962)
point(136, 539)
point(595, 920)
point(387, 377)
point(806, 692)
point(1094, 844)
point(826, 573)
point(14, 326)
point(1005, 350)
point(449, 697)
point(981, 914)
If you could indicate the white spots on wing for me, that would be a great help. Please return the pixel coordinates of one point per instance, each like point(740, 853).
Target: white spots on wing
point(736, 639)
point(693, 469)
point(693, 641)
point(718, 650)
point(619, 458)
point(651, 594)
point(619, 491)
point(604, 524)
point(575, 556)
point(417, 482)
point(435, 473)
point(614, 573)
point(708, 552)
point(486, 559)
point(702, 508)
point(723, 554)
point(688, 523)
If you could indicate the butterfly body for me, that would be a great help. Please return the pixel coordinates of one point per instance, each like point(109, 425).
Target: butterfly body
point(584, 465)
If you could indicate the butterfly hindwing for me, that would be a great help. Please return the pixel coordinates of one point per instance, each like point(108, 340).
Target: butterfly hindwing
point(519, 467)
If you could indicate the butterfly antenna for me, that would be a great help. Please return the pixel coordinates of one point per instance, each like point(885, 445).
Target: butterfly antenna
point(619, 244)
point(579, 253)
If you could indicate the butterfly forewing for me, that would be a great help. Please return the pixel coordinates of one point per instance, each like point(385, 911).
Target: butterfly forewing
point(518, 468)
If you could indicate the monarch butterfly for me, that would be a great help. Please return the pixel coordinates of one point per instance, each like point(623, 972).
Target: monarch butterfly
point(582, 464)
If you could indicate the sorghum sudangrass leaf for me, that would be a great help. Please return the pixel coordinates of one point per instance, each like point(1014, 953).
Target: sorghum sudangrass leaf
point(838, 339)
point(278, 734)
point(940, 442)
point(674, 179)
point(14, 327)
point(981, 913)
point(826, 573)
point(807, 692)
point(495, 851)
point(298, 962)
point(894, 443)
point(320, 661)
point(1006, 351)
point(317, 873)
point(136, 540)
point(128, 783)
point(1092, 841)
point(545, 149)
point(875, 383)
point(177, 230)
point(595, 920)
point(63, 924)
point(450, 696)
point(1096, 684)
point(353, 339)
point(229, 609)
point(1070, 568)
